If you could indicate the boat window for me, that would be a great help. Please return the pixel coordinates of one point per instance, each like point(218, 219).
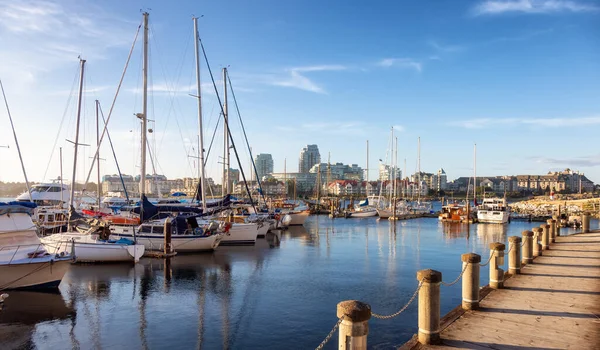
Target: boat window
point(54, 189)
point(41, 218)
point(50, 218)
point(146, 229)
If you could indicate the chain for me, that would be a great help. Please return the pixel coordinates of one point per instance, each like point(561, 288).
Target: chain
point(335, 327)
point(457, 278)
point(492, 253)
point(382, 317)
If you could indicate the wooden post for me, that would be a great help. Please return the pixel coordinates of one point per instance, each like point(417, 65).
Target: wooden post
point(470, 281)
point(354, 328)
point(551, 231)
point(167, 233)
point(514, 255)
point(429, 306)
point(496, 272)
point(585, 223)
point(537, 247)
point(527, 247)
point(557, 225)
point(545, 236)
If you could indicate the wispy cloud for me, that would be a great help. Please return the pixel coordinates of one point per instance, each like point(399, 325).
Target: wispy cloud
point(495, 7)
point(481, 123)
point(444, 48)
point(297, 79)
point(582, 161)
point(401, 63)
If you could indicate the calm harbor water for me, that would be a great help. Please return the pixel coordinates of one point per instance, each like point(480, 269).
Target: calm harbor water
point(271, 296)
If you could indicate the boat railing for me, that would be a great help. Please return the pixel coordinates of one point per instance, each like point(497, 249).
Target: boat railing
point(31, 254)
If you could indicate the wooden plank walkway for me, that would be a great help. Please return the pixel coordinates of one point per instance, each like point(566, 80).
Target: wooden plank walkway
point(553, 304)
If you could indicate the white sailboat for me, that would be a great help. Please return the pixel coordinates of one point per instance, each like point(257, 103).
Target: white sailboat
point(89, 246)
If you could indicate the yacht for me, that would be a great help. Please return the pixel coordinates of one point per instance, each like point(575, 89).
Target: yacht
point(23, 261)
point(493, 211)
point(51, 199)
point(363, 210)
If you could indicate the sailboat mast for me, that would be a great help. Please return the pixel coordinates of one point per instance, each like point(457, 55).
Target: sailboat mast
point(82, 63)
point(419, 165)
point(367, 163)
point(475, 174)
point(395, 170)
point(201, 174)
point(62, 200)
point(226, 154)
point(144, 116)
point(285, 176)
point(98, 158)
point(16, 141)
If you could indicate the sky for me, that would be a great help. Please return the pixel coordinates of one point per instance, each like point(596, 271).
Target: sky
point(519, 78)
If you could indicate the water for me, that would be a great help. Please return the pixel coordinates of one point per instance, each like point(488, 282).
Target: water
point(267, 296)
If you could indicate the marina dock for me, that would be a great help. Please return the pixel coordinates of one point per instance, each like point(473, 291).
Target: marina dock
point(553, 303)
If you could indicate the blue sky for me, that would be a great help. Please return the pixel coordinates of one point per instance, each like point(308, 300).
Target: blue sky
point(519, 78)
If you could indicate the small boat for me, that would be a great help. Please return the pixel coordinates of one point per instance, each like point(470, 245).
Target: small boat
point(23, 261)
point(493, 211)
point(363, 210)
point(453, 213)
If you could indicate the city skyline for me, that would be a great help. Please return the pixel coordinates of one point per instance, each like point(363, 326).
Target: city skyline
point(519, 80)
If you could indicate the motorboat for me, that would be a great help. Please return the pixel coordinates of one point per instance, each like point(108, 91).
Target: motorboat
point(454, 213)
point(24, 263)
point(493, 211)
point(47, 195)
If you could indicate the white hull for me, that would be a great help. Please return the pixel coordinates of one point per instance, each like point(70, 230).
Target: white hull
point(298, 218)
point(384, 213)
point(179, 243)
point(363, 214)
point(243, 234)
point(87, 249)
point(33, 275)
point(492, 216)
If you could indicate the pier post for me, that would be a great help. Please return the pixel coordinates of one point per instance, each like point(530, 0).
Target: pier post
point(496, 272)
point(558, 224)
point(167, 233)
point(354, 328)
point(585, 223)
point(537, 247)
point(545, 236)
point(551, 231)
point(514, 255)
point(470, 281)
point(527, 247)
point(429, 306)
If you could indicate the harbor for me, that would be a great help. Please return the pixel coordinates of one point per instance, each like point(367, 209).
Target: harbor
point(260, 296)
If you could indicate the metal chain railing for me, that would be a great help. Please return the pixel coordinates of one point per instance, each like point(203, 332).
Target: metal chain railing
point(492, 253)
point(331, 333)
point(386, 317)
point(457, 278)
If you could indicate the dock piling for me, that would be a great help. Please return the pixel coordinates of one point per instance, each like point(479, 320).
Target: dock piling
point(558, 224)
point(585, 223)
point(527, 247)
point(167, 233)
point(354, 327)
point(545, 236)
point(429, 306)
point(470, 281)
point(514, 255)
point(551, 233)
point(537, 246)
point(497, 260)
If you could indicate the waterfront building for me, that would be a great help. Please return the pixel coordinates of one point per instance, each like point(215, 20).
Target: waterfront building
point(439, 181)
point(264, 165)
point(386, 171)
point(309, 156)
point(270, 187)
point(566, 180)
point(339, 171)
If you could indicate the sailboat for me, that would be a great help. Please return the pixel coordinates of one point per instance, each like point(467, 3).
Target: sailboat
point(23, 261)
point(90, 243)
point(190, 233)
point(420, 207)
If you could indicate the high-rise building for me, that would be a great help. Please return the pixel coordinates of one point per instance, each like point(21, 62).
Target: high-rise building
point(309, 156)
point(264, 165)
point(387, 172)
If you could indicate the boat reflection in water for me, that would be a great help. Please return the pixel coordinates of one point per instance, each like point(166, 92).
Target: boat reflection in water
point(489, 233)
point(22, 311)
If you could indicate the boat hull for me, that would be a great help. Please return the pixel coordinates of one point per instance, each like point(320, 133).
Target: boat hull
point(363, 214)
point(179, 243)
point(298, 218)
point(492, 216)
point(383, 213)
point(242, 234)
point(94, 251)
point(35, 275)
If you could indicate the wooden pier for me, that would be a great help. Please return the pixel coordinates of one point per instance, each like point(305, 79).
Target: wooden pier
point(554, 303)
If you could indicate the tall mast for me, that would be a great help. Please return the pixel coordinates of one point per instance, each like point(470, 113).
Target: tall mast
point(62, 200)
point(285, 176)
point(16, 141)
point(144, 115)
point(98, 158)
point(395, 170)
point(82, 63)
point(226, 164)
point(419, 165)
point(367, 162)
point(393, 160)
point(201, 174)
point(475, 174)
